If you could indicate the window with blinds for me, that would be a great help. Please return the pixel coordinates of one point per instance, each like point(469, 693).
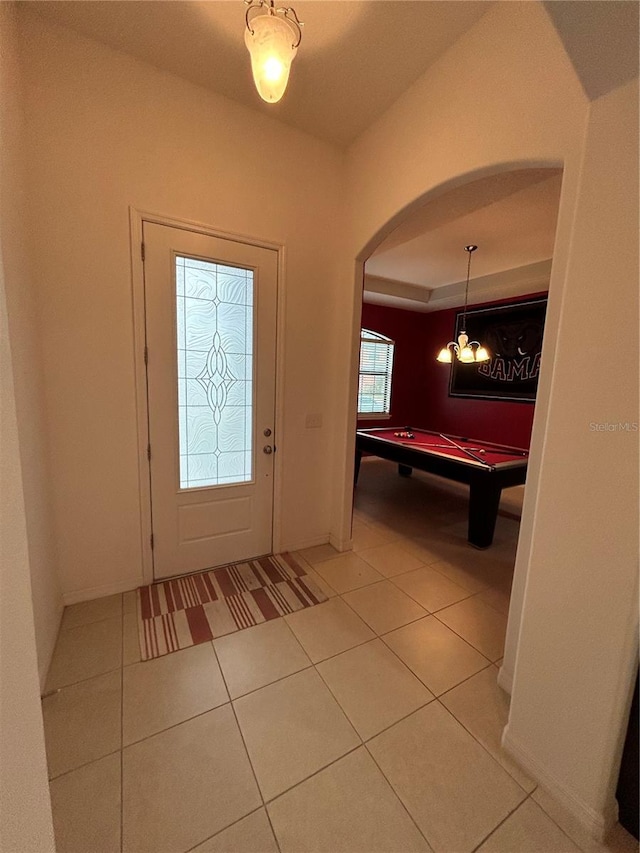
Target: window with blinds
point(374, 378)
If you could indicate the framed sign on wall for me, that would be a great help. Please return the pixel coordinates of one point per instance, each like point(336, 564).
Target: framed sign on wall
point(512, 333)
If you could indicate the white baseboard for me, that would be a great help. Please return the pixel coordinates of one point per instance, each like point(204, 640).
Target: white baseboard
point(301, 544)
point(596, 823)
point(505, 679)
point(101, 591)
point(325, 539)
point(44, 665)
point(341, 544)
point(124, 586)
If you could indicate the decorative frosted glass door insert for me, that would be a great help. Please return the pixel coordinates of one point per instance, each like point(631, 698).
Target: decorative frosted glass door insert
point(214, 320)
point(210, 316)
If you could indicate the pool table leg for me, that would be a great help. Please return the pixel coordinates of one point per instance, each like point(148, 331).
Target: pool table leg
point(405, 470)
point(484, 500)
point(356, 470)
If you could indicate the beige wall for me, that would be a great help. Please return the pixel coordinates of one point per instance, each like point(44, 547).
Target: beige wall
point(106, 132)
point(504, 96)
point(25, 807)
point(27, 363)
point(577, 650)
point(25, 811)
point(507, 94)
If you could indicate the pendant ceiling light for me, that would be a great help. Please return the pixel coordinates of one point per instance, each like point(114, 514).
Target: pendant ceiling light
point(465, 350)
point(272, 37)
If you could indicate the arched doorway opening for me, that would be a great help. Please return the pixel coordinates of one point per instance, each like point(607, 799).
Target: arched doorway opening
point(510, 209)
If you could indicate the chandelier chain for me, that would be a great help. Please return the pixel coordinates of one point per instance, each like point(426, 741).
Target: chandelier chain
point(470, 249)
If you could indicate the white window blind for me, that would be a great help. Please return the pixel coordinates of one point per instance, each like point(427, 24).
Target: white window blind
point(374, 380)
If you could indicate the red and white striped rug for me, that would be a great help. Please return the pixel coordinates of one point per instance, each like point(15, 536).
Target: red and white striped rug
point(178, 613)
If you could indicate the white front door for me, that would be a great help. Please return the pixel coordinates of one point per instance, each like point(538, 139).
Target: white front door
point(210, 314)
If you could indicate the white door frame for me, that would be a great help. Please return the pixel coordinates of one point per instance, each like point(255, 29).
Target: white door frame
point(136, 218)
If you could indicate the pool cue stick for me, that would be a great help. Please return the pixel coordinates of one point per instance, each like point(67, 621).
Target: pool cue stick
point(430, 446)
point(448, 445)
point(464, 450)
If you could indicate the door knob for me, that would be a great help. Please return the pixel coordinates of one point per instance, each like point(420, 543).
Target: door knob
point(267, 449)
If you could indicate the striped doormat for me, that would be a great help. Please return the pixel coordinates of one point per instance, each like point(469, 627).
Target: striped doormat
point(178, 613)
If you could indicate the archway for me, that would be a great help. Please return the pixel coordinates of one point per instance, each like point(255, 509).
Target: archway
point(496, 182)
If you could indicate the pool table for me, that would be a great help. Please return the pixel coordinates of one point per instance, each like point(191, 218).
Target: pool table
point(486, 468)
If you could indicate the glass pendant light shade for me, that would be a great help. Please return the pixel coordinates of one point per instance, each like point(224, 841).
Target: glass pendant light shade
point(271, 43)
point(482, 354)
point(444, 355)
point(466, 355)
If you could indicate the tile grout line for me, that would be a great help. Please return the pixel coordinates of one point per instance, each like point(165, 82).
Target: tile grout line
point(428, 612)
point(269, 683)
point(64, 628)
point(225, 828)
point(333, 761)
point(231, 700)
point(174, 725)
point(397, 628)
point(311, 775)
point(91, 621)
point(464, 680)
point(573, 840)
point(246, 749)
point(362, 743)
point(431, 612)
point(500, 823)
point(330, 657)
point(436, 695)
point(208, 710)
point(312, 664)
point(484, 654)
point(436, 698)
point(488, 751)
point(406, 665)
point(83, 765)
point(337, 701)
point(399, 720)
point(391, 579)
point(315, 665)
point(398, 797)
point(56, 690)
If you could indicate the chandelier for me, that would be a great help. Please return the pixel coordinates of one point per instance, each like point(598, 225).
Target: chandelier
point(272, 37)
point(466, 351)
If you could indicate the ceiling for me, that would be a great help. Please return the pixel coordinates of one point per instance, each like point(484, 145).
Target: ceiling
point(356, 58)
point(511, 217)
point(338, 85)
point(601, 38)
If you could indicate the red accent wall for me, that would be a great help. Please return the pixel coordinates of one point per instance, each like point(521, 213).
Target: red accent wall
point(408, 387)
point(420, 391)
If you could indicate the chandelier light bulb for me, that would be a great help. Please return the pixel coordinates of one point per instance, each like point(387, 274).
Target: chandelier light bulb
point(466, 355)
point(274, 69)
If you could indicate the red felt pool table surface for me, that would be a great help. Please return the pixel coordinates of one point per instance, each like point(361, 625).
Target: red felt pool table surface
point(432, 442)
point(456, 458)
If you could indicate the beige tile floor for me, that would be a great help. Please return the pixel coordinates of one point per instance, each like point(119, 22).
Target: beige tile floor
point(368, 723)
